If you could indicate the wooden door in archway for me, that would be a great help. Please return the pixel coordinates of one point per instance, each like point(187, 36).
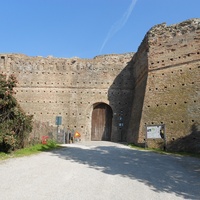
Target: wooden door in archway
point(101, 122)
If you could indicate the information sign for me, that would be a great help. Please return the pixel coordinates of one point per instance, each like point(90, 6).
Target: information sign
point(154, 132)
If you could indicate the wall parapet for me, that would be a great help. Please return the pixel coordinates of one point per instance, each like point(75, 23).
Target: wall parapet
point(175, 29)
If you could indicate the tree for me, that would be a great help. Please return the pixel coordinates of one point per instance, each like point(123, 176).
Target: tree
point(15, 125)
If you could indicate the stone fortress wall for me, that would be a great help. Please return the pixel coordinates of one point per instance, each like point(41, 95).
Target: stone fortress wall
point(170, 91)
point(159, 84)
point(50, 87)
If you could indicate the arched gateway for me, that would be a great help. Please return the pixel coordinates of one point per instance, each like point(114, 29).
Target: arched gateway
point(101, 122)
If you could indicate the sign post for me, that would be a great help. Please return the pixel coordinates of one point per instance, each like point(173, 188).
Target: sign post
point(121, 124)
point(155, 132)
point(58, 123)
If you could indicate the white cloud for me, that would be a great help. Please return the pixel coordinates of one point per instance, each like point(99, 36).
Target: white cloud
point(119, 24)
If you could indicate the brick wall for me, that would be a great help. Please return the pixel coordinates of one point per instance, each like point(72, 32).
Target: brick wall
point(159, 84)
point(50, 87)
point(172, 94)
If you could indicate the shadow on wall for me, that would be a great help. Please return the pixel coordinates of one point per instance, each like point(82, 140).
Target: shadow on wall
point(161, 173)
point(120, 96)
point(189, 143)
point(137, 106)
point(126, 97)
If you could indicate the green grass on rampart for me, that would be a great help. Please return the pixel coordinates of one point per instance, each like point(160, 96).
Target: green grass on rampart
point(30, 150)
point(165, 152)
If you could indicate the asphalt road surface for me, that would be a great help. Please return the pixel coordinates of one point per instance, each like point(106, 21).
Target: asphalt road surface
point(99, 170)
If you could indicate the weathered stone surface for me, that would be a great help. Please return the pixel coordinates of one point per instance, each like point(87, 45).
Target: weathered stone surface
point(171, 89)
point(159, 84)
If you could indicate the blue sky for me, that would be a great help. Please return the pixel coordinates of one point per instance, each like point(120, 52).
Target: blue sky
point(85, 28)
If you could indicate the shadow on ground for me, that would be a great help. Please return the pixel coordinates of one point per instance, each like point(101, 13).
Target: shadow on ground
point(162, 173)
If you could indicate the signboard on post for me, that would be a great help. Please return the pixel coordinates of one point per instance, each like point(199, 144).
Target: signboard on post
point(153, 132)
point(58, 123)
point(58, 120)
point(156, 132)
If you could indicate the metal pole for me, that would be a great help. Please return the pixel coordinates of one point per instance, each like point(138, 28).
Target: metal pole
point(165, 140)
point(57, 132)
point(145, 137)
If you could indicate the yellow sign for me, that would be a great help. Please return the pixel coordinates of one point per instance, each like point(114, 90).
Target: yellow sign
point(77, 135)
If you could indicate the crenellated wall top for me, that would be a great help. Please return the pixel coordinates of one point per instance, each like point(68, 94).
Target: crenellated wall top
point(21, 62)
point(108, 58)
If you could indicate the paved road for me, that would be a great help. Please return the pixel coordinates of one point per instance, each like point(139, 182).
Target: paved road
point(99, 171)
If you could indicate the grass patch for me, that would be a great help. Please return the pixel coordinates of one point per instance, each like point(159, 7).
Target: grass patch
point(30, 150)
point(165, 152)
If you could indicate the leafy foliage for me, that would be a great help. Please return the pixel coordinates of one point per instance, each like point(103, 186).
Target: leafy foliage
point(15, 125)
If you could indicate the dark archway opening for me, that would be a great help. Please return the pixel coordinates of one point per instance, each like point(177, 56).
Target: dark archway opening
point(101, 122)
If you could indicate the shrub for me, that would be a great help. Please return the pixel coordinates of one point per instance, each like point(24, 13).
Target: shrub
point(15, 125)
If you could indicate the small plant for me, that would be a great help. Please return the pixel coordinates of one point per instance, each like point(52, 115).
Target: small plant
point(52, 143)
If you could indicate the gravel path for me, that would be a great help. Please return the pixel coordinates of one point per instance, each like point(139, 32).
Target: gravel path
point(99, 171)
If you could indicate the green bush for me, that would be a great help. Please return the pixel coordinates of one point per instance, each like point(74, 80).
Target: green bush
point(15, 125)
point(52, 143)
